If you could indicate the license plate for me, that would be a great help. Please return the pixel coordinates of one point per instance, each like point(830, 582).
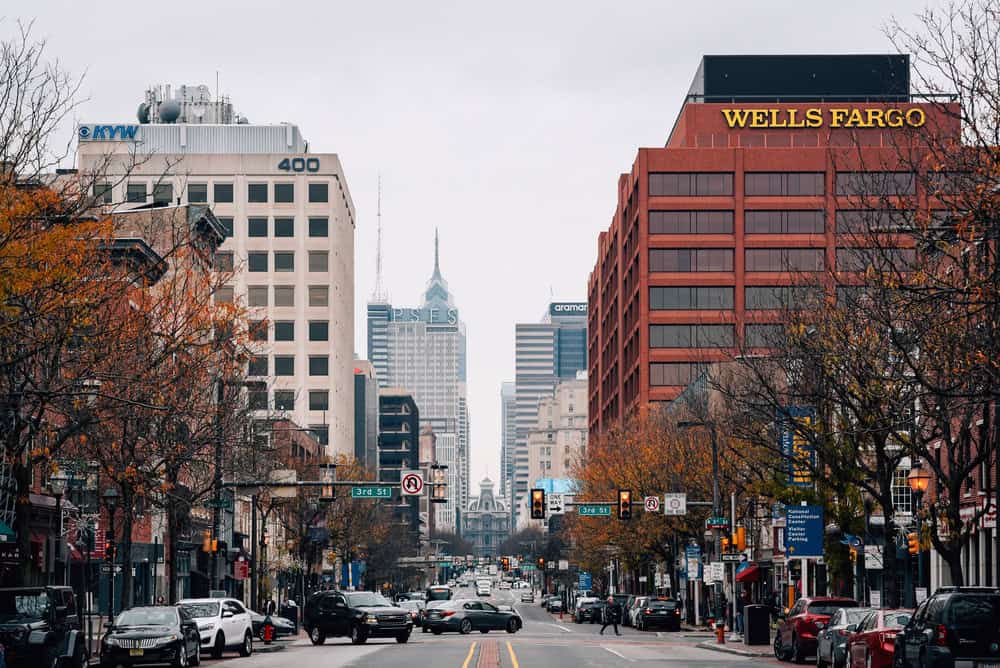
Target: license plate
point(663, 612)
point(990, 664)
point(135, 652)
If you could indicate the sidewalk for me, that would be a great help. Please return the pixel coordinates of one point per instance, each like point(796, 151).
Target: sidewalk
point(737, 648)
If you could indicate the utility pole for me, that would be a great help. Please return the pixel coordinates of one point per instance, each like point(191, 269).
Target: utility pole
point(217, 487)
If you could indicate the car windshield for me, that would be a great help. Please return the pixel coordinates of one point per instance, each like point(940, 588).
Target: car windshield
point(663, 605)
point(367, 599)
point(897, 620)
point(22, 606)
point(147, 617)
point(829, 607)
point(206, 609)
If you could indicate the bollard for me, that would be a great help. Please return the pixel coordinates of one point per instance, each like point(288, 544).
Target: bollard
point(720, 633)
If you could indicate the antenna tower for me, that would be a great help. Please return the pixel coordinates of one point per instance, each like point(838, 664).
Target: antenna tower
point(378, 295)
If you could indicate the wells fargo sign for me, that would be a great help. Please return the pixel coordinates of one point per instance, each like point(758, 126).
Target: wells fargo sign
point(844, 117)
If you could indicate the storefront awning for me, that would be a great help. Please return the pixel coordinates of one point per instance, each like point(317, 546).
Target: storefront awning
point(749, 573)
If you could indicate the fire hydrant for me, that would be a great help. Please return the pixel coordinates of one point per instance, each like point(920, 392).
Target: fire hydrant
point(720, 633)
point(268, 630)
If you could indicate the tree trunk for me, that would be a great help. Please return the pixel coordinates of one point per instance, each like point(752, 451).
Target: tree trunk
point(171, 553)
point(889, 566)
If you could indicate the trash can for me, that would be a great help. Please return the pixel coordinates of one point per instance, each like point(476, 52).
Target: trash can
point(756, 625)
point(291, 613)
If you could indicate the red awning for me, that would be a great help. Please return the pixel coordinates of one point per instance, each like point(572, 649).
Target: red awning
point(749, 574)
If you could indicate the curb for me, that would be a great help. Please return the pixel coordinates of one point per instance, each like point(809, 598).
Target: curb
point(731, 649)
point(275, 646)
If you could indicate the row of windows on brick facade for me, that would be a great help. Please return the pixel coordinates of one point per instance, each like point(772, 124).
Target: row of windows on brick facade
point(755, 335)
point(779, 221)
point(284, 400)
point(284, 365)
point(284, 295)
point(222, 193)
point(696, 260)
point(681, 298)
point(284, 261)
point(790, 184)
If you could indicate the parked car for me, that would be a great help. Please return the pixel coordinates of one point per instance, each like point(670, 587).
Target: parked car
point(527, 596)
point(659, 612)
point(638, 603)
point(583, 610)
point(600, 606)
point(831, 642)
point(467, 615)
point(873, 644)
point(955, 626)
point(626, 619)
point(358, 614)
point(545, 600)
point(414, 608)
point(152, 634)
point(555, 604)
point(282, 625)
point(796, 635)
point(223, 624)
point(50, 611)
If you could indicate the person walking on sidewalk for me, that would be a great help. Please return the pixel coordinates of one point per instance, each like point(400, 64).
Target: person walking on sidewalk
point(611, 615)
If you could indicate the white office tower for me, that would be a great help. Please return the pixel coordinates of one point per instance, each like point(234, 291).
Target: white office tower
point(290, 221)
point(508, 435)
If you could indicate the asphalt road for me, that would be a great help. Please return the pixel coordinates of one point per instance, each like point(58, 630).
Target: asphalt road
point(544, 642)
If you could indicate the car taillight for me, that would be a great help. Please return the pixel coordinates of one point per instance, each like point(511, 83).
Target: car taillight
point(941, 637)
point(447, 613)
point(843, 632)
point(649, 611)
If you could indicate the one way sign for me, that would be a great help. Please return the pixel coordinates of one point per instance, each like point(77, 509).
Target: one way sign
point(556, 506)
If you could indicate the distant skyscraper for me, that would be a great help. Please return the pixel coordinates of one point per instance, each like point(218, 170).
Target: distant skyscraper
point(423, 350)
point(545, 353)
point(508, 432)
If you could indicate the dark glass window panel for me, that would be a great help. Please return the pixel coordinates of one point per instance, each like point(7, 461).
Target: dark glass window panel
point(163, 193)
point(321, 433)
point(284, 330)
point(284, 295)
point(690, 222)
point(258, 330)
point(783, 184)
point(685, 298)
point(319, 330)
point(675, 373)
point(684, 184)
point(319, 261)
point(222, 192)
point(885, 259)
point(103, 193)
point(256, 227)
point(784, 222)
point(859, 221)
point(284, 400)
point(284, 261)
point(781, 297)
point(319, 227)
point(223, 261)
point(224, 294)
point(284, 227)
point(319, 192)
point(319, 365)
point(257, 400)
point(227, 226)
point(257, 295)
point(763, 336)
point(319, 295)
point(284, 193)
point(691, 259)
point(784, 259)
point(691, 336)
point(257, 261)
point(135, 192)
point(319, 400)
point(197, 193)
point(258, 365)
point(257, 193)
point(875, 183)
point(284, 365)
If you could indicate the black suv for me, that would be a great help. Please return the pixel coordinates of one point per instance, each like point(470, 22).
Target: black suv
point(955, 625)
point(358, 614)
point(40, 626)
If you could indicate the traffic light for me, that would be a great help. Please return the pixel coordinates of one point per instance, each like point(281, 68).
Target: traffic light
point(504, 564)
point(740, 539)
point(206, 541)
point(854, 555)
point(725, 544)
point(541, 563)
point(624, 504)
point(538, 504)
point(912, 542)
point(109, 546)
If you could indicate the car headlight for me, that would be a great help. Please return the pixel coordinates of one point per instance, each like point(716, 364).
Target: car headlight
point(207, 626)
point(111, 642)
point(163, 640)
point(371, 619)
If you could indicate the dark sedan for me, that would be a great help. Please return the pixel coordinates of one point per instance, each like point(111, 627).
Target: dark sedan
point(414, 608)
point(282, 626)
point(150, 635)
point(659, 612)
point(466, 616)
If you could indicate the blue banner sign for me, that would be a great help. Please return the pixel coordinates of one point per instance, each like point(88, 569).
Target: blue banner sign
point(796, 425)
point(803, 531)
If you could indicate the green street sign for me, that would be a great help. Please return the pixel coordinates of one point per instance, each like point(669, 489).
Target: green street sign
point(224, 504)
point(371, 492)
point(527, 567)
point(717, 523)
point(594, 510)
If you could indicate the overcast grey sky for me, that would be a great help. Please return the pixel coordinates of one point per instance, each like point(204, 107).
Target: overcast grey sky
point(503, 124)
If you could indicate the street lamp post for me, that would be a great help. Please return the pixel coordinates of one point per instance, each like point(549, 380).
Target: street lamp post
point(57, 485)
point(716, 510)
point(919, 480)
point(110, 497)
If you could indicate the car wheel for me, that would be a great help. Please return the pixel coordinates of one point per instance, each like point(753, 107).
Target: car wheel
point(246, 649)
point(316, 637)
point(219, 647)
point(358, 636)
point(466, 627)
point(196, 661)
point(797, 655)
point(511, 626)
point(484, 630)
point(779, 651)
point(182, 657)
point(437, 632)
point(402, 638)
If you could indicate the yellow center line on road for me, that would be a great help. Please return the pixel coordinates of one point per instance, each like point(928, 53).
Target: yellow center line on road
point(513, 657)
point(468, 657)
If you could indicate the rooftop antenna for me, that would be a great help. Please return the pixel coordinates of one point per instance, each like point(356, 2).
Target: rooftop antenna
point(378, 295)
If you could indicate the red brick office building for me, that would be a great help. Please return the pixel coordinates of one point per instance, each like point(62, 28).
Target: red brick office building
point(742, 212)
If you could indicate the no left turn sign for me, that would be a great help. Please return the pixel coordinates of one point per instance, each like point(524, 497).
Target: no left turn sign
point(652, 504)
point(411, 483)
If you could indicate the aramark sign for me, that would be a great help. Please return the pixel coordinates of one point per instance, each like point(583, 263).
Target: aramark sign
point(568, 308)
point(107, 132)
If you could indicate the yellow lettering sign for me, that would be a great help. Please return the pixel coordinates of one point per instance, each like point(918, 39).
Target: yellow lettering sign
point(835, 117)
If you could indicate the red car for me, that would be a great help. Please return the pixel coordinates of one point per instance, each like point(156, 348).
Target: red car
point(796, 636)
point(874, 643)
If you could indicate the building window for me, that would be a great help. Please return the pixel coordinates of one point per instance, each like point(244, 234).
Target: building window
point(319, 365)
point(781, 297)
point(284, 295)
point(691, 259)
point(257, 295)
point(321, 433)
point(258, 366)
point(784, 259)
point(222, 192)
point(103, 193)
point(690, 222)
point(135, 192)
point(284, 227)
point(284, 193)
point(675, 373)
point(693, 298)
point(284, 400)
point(257, 399)
point(853, 221)
point(223, 261)
point(257, 329)
point(163, 193)
point(319, 400)
point(319, 295)
point(319, 192)
point(784, 222)
point(682, 184)
point(902, 496)
point(284, 261)
point(319, 330)
point(859, 259)
point(284, 330)
point(224, 295)
point(319, 261)
point(784, 184)
point(691, 336)
point(319, 227)
point(256, 227)
point(257, 193)
point(257, 261)
point(284, 365)
point(875, 183)
point(227, 227)
point(763, 336)
point(197, 193)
